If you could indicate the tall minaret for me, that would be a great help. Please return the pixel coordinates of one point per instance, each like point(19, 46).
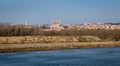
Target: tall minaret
point(26, 22)
point(59, 21)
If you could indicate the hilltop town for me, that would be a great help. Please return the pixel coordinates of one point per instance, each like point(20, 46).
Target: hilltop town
point(57, 26)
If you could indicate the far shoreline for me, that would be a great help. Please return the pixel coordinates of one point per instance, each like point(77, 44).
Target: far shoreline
point(4, 48)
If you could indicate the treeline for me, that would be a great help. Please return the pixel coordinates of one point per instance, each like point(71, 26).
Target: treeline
point(101, 33)
point(22, 30)
point(18, 30)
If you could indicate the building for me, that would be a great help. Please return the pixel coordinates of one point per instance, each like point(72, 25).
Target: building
point(56, 26)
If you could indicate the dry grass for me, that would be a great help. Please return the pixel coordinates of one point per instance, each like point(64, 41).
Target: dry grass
point(25, 43)
point(53, 46)
point(46, 39)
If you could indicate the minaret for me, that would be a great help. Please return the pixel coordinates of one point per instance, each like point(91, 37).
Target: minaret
point(26, 22)
point(59, 21)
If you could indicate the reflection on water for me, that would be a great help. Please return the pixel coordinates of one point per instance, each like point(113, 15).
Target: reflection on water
point(69, 57)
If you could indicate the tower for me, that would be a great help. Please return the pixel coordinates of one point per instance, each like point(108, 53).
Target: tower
point(26, 22)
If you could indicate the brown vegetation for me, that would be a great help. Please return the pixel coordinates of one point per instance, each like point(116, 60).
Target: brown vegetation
point(53, 46)
point(46, 39)
point(22, 30)
point(21, 38)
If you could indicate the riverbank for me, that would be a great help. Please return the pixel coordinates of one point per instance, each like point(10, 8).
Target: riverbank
point(46, 39)
point(55, 46)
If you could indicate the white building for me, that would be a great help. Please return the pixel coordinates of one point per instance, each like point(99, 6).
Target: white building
point(56, 26)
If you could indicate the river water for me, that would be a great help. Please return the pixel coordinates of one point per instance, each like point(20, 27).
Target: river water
point(69, 57)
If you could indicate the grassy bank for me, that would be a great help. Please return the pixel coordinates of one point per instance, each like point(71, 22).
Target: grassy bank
point(54, 46)
point(46, 39)
point(26, 43)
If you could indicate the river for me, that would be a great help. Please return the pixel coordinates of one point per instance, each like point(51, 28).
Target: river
point(68, 57)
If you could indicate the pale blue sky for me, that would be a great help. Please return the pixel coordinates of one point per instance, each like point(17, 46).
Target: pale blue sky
point(68, 11)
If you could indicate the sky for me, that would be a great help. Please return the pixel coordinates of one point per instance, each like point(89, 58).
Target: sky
point(65, 11)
